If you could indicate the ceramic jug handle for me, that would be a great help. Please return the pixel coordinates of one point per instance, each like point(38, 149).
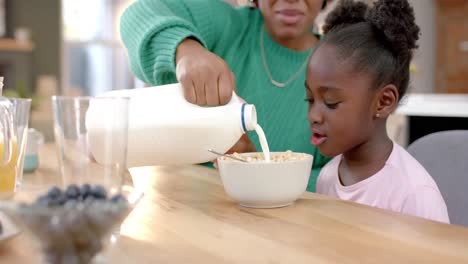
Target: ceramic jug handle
point(6, 119)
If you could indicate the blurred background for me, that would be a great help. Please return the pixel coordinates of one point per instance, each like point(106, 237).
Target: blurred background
point(73, 47)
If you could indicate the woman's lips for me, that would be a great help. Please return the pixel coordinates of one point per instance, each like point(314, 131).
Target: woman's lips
point(317, 139)
point(289, 16)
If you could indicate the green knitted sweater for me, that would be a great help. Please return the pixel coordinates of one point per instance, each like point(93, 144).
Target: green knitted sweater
point(152, 29)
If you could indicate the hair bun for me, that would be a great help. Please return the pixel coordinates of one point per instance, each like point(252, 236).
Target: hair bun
point(346, 13)
point(395, 19)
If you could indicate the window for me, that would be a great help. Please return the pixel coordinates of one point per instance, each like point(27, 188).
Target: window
point(94, 58)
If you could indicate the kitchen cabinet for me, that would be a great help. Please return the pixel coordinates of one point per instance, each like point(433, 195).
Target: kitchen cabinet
point(451, 72)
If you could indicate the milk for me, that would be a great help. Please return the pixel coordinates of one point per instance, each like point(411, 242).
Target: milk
point(165, 129)
point(263, 142)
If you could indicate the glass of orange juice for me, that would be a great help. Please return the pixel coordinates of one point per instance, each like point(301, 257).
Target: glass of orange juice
point(13, 137)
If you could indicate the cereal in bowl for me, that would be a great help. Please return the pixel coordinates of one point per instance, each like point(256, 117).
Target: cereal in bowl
point(275, 157)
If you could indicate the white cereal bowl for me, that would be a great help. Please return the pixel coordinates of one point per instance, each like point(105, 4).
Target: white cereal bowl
point(261, 184)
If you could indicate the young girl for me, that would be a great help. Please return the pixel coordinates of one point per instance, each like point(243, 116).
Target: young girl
point(355, 80)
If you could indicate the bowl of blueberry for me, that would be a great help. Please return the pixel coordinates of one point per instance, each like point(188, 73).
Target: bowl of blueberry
point(74, 224)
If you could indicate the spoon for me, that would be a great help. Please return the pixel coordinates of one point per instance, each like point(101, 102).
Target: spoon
point(226, 155)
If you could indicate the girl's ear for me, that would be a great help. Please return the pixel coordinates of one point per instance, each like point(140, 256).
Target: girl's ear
point(386, 101)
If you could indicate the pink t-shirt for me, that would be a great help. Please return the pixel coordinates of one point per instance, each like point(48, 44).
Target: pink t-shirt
point(402, 185)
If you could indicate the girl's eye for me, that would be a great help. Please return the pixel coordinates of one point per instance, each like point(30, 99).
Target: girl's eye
point(309, 100)
point(332, 105)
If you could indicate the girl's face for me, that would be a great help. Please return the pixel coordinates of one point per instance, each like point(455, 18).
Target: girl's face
point(289, 19)
point(341, 103)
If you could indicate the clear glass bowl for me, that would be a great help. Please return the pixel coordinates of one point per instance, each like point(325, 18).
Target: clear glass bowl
point(73, 233)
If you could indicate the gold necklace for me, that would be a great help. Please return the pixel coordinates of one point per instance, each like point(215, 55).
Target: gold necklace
point(267, 70)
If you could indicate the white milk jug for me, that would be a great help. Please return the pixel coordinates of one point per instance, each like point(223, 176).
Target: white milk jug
point(165, 129)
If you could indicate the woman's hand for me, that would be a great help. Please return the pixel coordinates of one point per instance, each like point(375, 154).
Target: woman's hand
point(205, 78)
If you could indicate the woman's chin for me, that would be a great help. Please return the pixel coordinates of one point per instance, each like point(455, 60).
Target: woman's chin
point(287, 32)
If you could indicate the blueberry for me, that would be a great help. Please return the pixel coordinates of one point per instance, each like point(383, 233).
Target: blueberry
point(54, 202)
point(54, 192)
point(85, 190)
point(99, 192)
point(58, 200)
point(80, 198)
point(72, 191)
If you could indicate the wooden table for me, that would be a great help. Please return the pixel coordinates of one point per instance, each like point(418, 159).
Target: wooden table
point(185, 217)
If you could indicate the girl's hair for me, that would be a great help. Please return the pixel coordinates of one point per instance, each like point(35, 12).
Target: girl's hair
point(378, 40)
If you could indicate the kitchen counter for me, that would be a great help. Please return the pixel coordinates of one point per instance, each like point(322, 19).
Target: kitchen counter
point(421, 114)
point(435, 105)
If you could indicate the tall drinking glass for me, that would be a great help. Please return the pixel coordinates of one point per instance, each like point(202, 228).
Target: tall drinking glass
point(22, 108)
point(12, 143)
point(91, 148)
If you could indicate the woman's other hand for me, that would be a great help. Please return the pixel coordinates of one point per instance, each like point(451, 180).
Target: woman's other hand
point(205, 78)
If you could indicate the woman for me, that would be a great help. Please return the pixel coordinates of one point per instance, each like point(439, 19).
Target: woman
point(212, 48)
